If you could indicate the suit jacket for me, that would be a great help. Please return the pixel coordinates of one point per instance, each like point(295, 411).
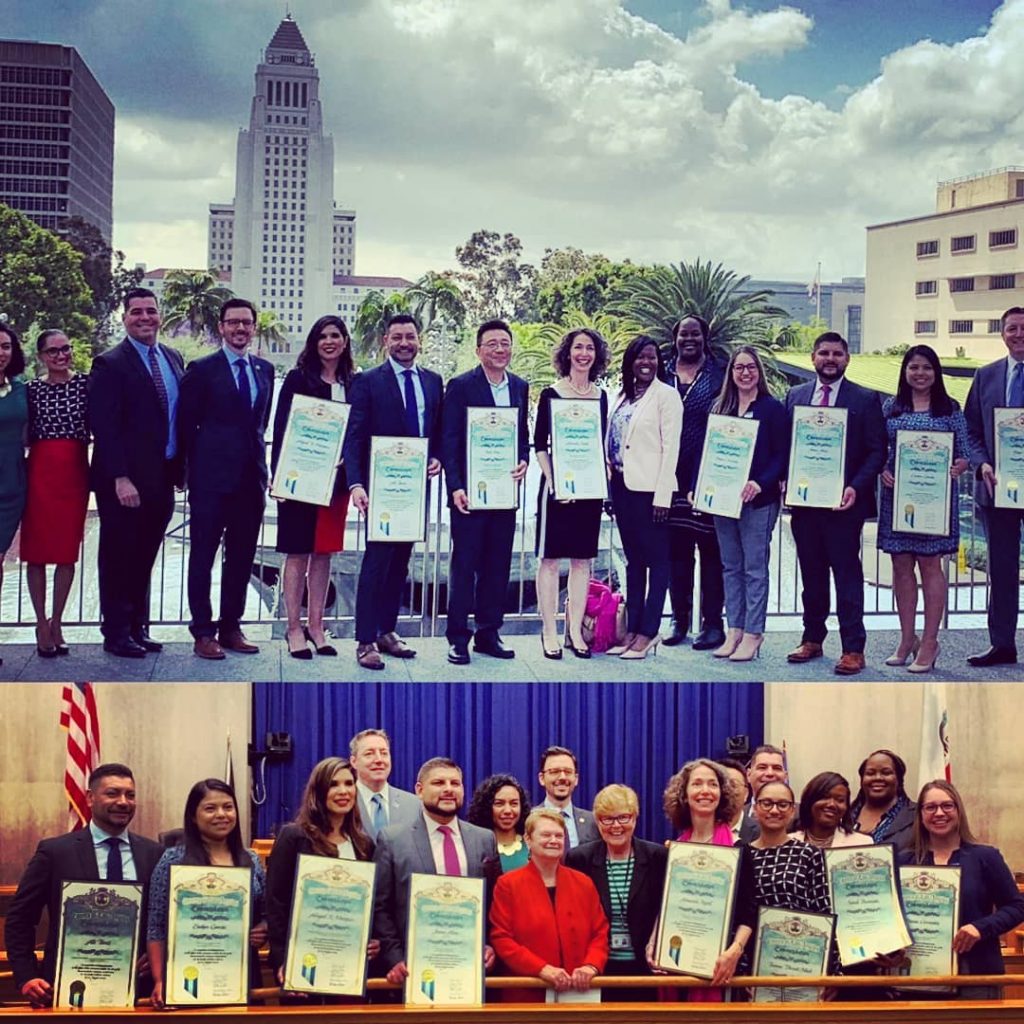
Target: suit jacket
point(220, 435)
point(403, 809)
point(129, 428)
point(749, 827)
point(586, 827)
point(70, 857)
point(867, 445)
point(644, 900)
point(527, 932)
point(378, 409)
point(650, 446)
point(466, 390)
point(404, 849)
point(988, 392)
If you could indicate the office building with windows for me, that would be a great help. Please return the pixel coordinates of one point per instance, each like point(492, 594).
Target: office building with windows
point(56, 136)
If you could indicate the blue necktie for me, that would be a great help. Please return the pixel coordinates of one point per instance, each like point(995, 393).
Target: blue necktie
point(412, 415)
point(243, 382)
point(115, 866)
point(1017, 386)
point(379, 819)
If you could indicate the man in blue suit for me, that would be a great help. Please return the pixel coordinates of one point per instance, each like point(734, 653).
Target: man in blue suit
point(396, 399)
point(222, 417)
point(482, 538)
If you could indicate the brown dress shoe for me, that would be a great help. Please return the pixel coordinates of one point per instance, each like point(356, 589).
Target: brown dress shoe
point(393, 644)
point(849, 664)
point(807, 651)
point(207, 647)
point(368, 656)
point(234, 640)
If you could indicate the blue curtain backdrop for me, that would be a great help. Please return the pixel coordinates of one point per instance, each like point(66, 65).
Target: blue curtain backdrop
point(636, 733)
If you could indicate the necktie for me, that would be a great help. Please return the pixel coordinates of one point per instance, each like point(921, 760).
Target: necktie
point(243, 382)
point(115, 869)
point(158, 379)
point(451, 857)
point(1017, 386)
point(825, 392)
point(379, 817)
point(412, 416)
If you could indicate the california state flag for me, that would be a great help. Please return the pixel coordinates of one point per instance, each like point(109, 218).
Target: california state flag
point(935, 761)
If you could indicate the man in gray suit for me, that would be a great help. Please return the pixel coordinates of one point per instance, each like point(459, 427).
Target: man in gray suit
point(559, 775)
point(1000, 384)
point(436, 843)
point(380, 804)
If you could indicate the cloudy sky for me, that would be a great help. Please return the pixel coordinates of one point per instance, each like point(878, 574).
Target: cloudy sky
point(759, 134)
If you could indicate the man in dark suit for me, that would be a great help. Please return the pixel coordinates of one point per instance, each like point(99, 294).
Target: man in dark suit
point(1000, 384)
point(396, 399)
point(559, 775)
point(767, 764)
point(482, 538)
point(103, 851)
point(133, 398)
point(829, 539)
point(222, 417)
point(436, 843)
point(380, 804)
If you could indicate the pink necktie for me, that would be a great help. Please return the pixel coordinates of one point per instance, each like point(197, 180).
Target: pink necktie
point(825, 392)
point(451, 857)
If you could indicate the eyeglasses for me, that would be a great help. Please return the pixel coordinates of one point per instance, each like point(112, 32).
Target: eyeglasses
point(490, 345)
point(616, 819)
point(60, 350)
point(767, 805)
point(947, 807)
point(565, 772)
point(744, 368)
point(238, 323)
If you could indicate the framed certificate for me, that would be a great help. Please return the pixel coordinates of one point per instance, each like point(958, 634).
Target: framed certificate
point(931, 901)
point(923, 489)
point(725, 465)
point(790, 944)
point(445, 942)
point(97, 945)
point(817, 457)
point(864, 888)
point(492, 453)
point(696, 907)
point(1009, 456)
point(310, 451)
point(208, 936)
point(329, 928)
point(398, 489)
point(577, 449)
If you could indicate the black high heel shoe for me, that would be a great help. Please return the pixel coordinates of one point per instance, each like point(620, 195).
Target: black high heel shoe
point(303, 653)
point(324, 649)
point(580, 653)
point(552, 655)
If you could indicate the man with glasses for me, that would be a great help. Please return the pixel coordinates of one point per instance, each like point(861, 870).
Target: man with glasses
point(222, 417)
point(559, 777)
point(133, 400)
point(482, 537)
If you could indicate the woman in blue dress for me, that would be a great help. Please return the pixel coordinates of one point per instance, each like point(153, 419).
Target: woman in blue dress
point(921, 403)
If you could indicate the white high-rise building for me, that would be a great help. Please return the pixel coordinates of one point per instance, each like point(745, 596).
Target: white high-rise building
point(281, 242)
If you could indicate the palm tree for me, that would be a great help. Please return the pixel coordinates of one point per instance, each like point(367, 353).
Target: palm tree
point(270, 331)
point(371, 318)
point(437, 299)
point(192, 300)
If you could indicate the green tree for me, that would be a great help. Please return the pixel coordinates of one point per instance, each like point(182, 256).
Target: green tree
point(191, 302)
point(600, 284)
point(797, 337)
point(371, 318)
point(271, 331)
point(495, 280)
point(437, 299)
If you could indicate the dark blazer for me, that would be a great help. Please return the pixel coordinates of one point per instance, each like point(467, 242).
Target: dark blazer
point(645, 889)
point(867, 444)
point(71, 858)
point(771, 452)
point(220, 436)
point(988, 392)
point(469, 389)
point(989, 900)
point(378, 410)
point(128, 426)
point(405, 849)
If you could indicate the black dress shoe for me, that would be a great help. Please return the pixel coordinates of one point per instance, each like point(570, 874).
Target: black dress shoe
point(993, 656)
point(458, 654)
point(675, 638)
point(126, 648)
point(494, 648)
point(146, 642)
point(706, 639)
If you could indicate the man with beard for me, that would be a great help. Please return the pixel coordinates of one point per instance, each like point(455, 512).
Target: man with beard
point(828, 539)
point(436, 843)
point(559, 775)
point(698, 379)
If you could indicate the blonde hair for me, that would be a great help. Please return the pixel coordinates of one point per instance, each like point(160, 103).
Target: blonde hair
point(613, 797)
point(538, 814)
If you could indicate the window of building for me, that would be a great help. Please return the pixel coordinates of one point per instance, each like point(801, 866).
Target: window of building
point(924, 326)
point(1020, 188)
point(928, 248)
point(926, 288)
point(999, 238)
point(961, 326)
point(961, 284)
point(962, 243)
point(997, 281)
point(995, 326)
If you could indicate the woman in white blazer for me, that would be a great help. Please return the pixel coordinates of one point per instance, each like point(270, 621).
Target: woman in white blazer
point(642, 448)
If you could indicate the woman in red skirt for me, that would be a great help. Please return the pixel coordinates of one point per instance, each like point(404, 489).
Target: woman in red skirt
point(309, 534)
point(58, 485)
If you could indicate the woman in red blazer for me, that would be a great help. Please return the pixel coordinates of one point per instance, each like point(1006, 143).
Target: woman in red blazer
point(546, 919)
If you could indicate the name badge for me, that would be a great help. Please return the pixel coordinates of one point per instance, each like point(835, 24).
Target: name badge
point(621, 942)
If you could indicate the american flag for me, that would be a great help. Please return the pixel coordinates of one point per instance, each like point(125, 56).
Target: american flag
point(79, 718)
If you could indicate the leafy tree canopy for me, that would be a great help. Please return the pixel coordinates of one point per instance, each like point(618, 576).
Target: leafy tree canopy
point(494, 279)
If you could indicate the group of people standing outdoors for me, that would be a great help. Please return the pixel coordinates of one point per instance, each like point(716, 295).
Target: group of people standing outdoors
point(157, 426)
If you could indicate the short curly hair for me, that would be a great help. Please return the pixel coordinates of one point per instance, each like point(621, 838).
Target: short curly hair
point(677, 810)
point(560, 358)
point(480, 806)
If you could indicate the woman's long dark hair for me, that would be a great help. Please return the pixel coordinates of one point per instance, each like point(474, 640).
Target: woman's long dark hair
point(818, 789)
point(195, 848)
point(940, 402)
point(728, 401)
point(633, 349)
point(314, 820)
point(481, 806)
point(309, 358)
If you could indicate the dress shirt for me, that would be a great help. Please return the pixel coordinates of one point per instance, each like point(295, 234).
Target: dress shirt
point(500, 392)
point(437, 844)
point(1010, 365)
point(570, 821)
point(170, 386)
point(417, 387)
point(234, 359)
point(832, 395)
point(367, 794)
point(99, 842)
